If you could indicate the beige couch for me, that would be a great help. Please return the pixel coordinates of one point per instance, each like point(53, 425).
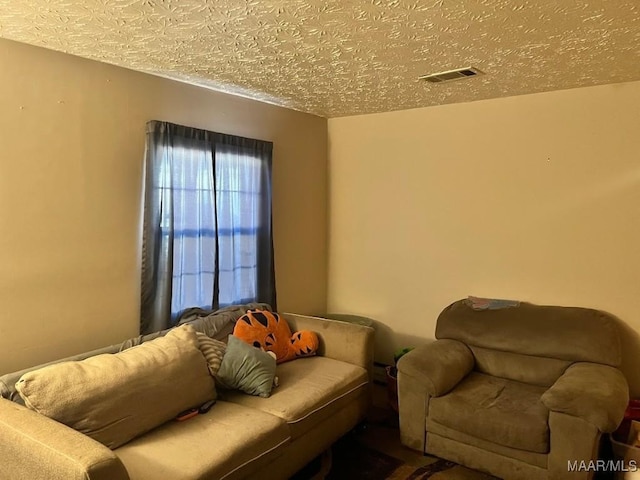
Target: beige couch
point(518, 392)
point(318, 400)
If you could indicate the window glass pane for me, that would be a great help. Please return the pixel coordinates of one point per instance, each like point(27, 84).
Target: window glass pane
point(238, 181)
point(190, 178)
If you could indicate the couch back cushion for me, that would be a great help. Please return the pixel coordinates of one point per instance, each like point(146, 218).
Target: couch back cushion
point(8, 380)
point(216, 324)
point(114, 398)
point(540, 371)
point(532, 341)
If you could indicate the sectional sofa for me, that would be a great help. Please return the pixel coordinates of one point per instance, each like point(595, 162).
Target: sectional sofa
point(318, 400)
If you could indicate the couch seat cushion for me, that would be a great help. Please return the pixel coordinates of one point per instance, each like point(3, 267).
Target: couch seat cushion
point(502, 411)
point(310, 390)
point(230, 441)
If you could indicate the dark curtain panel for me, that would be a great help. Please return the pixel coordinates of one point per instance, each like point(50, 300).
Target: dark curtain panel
point(207, 235)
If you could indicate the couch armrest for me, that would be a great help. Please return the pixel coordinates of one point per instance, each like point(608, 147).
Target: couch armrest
point(34, 447)
point(596, 393)
point(343, 341)
point(439, 365)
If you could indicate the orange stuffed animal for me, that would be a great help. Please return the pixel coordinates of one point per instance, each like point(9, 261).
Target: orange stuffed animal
point(266, 330)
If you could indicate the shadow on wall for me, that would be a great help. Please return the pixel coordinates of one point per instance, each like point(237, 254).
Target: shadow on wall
point(387, 342)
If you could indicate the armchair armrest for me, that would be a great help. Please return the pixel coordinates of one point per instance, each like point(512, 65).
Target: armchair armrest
point(439, 366)
point(427, 371)
point(34, 447)
point(343, 341)
point(596, 393)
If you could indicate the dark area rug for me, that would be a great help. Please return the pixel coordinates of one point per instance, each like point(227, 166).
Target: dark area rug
point(421, 473)
point(351, 460)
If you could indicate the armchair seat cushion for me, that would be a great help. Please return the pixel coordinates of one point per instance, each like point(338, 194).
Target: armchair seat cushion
point(495, 409)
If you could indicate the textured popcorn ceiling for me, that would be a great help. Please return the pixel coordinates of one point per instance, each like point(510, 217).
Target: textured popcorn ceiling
point(346, 57)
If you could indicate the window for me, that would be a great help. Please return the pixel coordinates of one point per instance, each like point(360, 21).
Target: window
point(238, 196)
point(209, 196)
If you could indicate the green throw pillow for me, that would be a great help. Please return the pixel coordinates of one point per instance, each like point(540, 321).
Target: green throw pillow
point(246, 368)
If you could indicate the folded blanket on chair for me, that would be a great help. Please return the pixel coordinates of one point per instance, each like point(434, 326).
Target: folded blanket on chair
point(478, 303)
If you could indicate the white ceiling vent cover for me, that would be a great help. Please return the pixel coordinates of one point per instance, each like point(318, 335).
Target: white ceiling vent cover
point(451, 75)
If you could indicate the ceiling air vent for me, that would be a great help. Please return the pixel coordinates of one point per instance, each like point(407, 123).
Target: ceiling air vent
point(451, 75)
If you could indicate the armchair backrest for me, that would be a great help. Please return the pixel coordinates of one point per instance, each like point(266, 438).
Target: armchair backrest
point(531, 343)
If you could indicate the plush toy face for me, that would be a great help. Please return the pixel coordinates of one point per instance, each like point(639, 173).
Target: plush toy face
point(267, 330)
point(304, 343)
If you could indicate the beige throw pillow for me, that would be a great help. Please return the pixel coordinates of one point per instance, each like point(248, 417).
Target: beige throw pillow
point(114, 398)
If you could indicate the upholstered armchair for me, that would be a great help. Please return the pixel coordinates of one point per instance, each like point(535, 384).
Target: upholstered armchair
point(521, 392)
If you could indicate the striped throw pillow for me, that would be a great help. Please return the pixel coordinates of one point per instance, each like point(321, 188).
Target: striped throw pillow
point(213, 350)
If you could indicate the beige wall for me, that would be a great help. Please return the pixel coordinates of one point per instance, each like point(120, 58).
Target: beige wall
point(71, 147)
point(534, 198)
